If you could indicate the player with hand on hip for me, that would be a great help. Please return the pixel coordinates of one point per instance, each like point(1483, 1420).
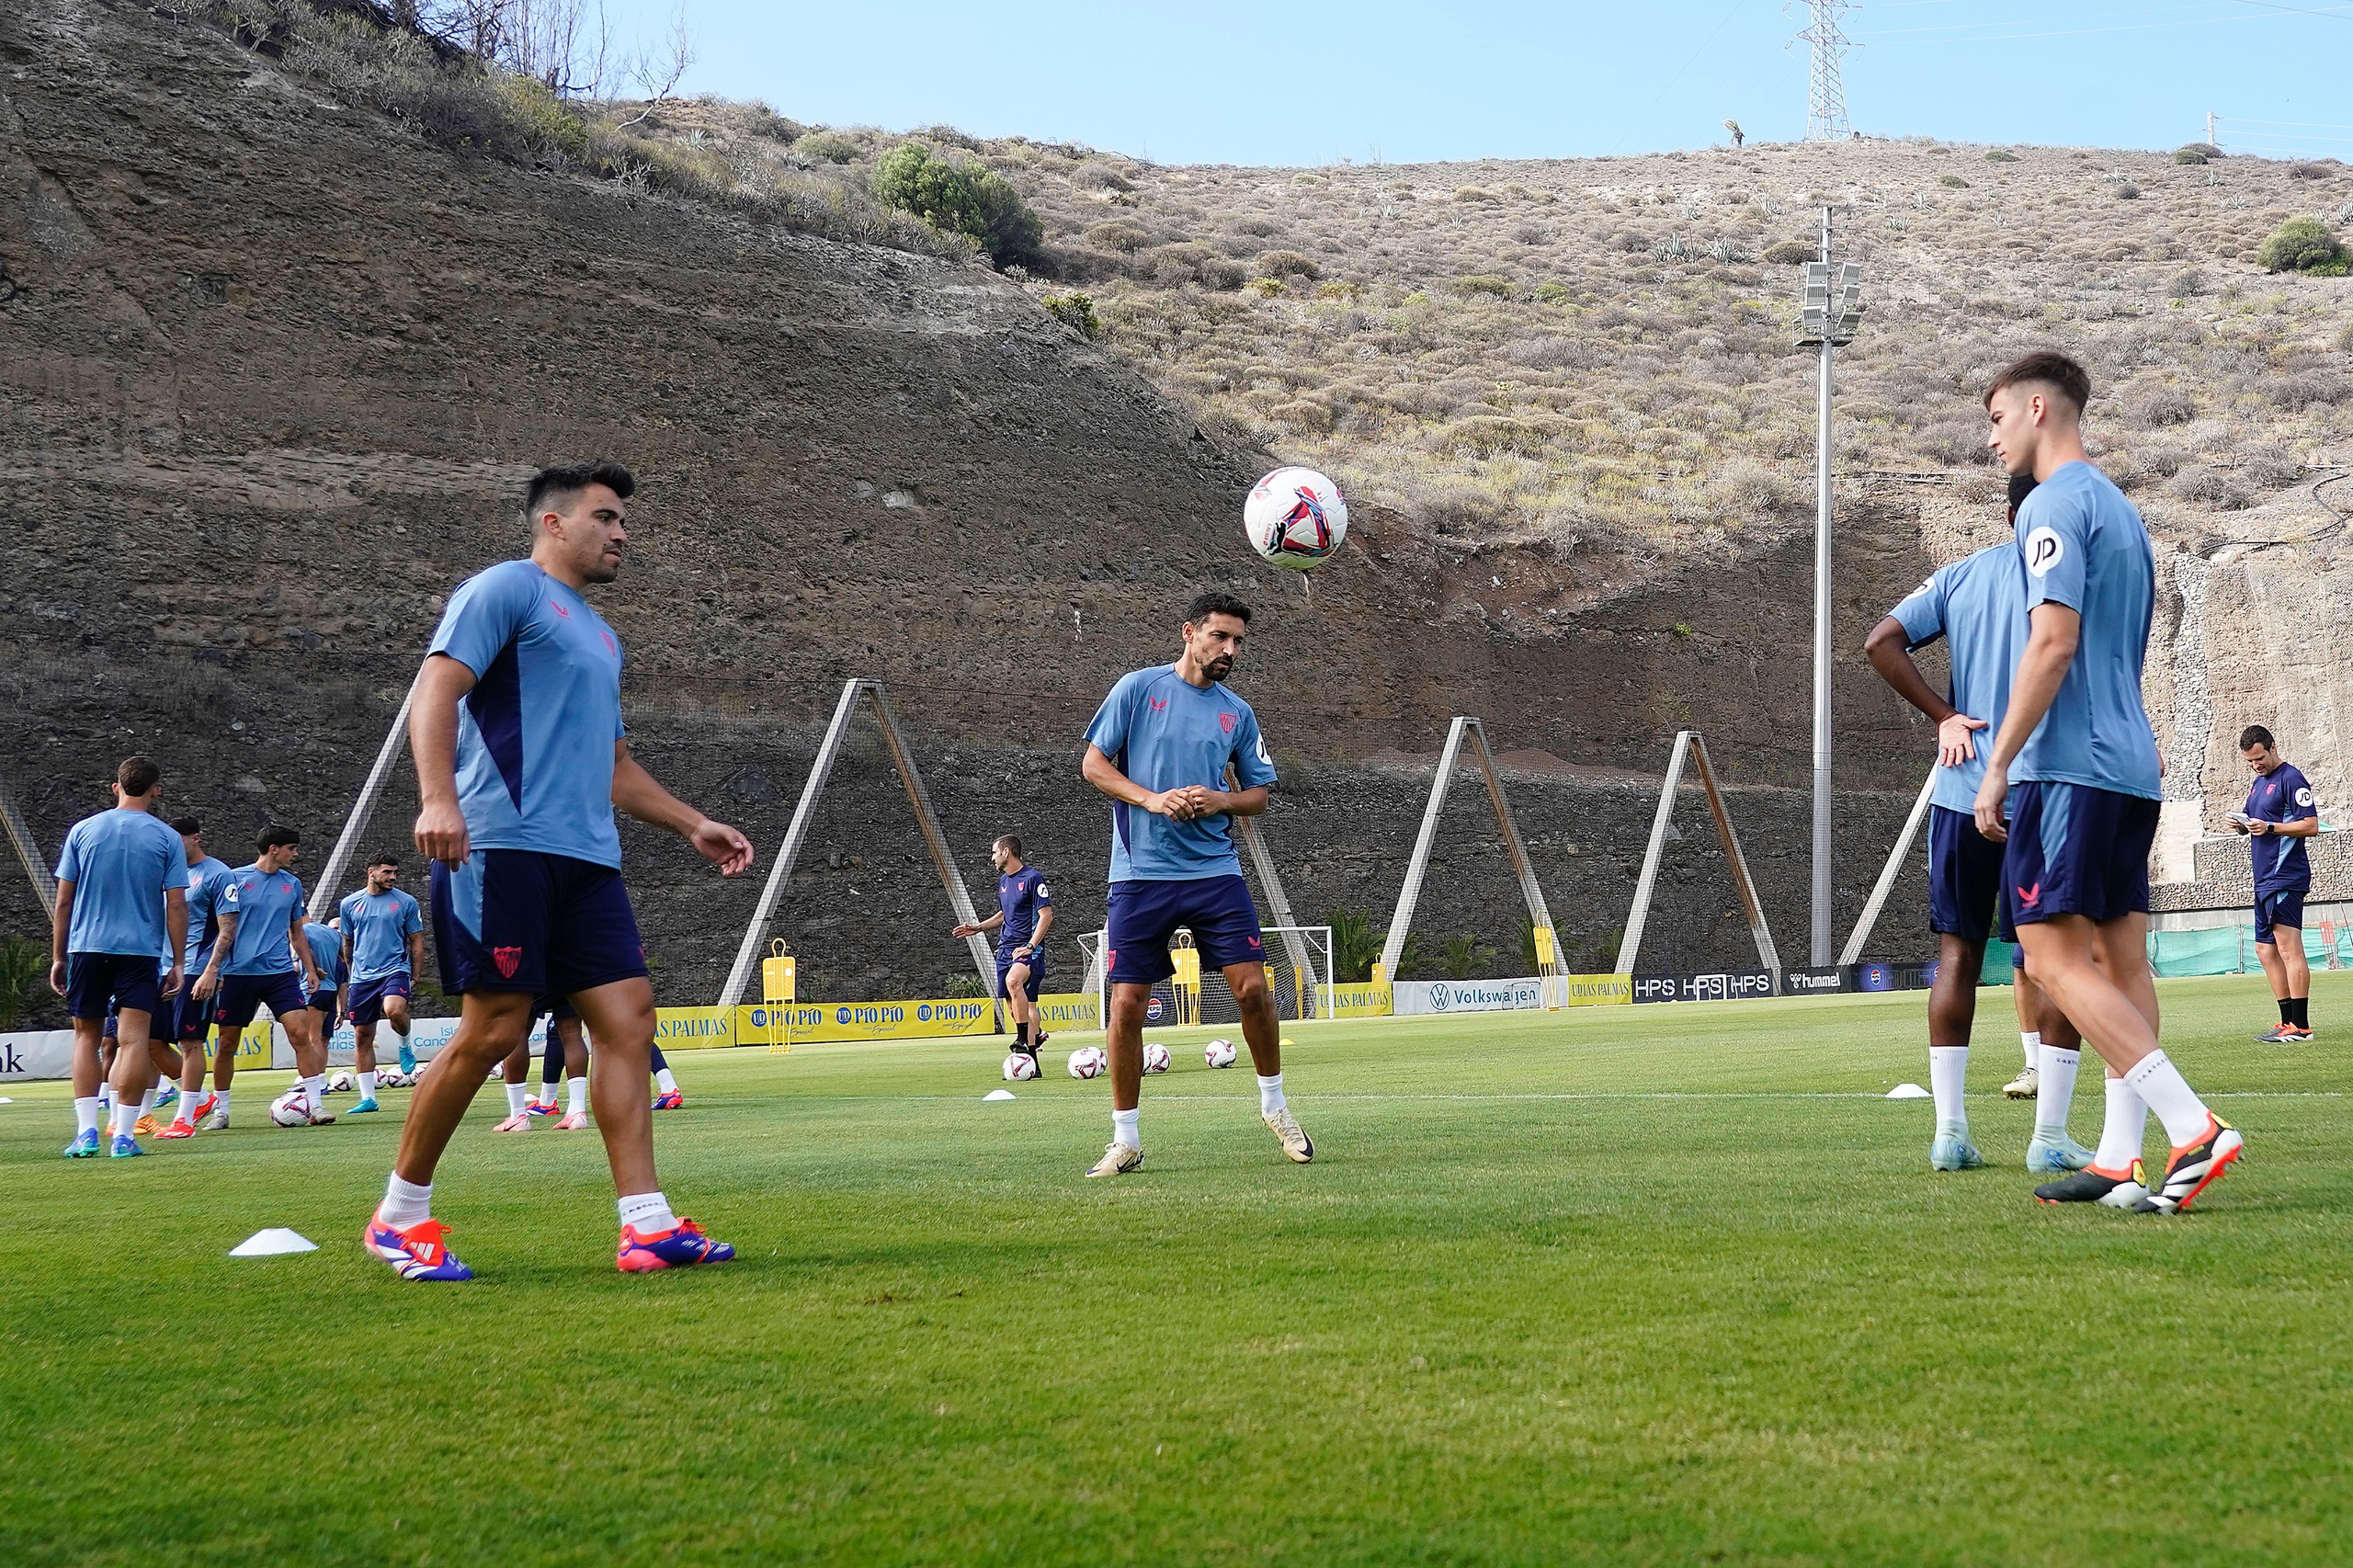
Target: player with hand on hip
point(2077, 744)
point(255, 964)
point(1025, 913)
point(2281, 814)
point(521, 761)
point(1978, 606)
point(1160, 746)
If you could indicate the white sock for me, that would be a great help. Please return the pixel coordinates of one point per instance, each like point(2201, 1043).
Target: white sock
point(2159, 1082)
point(2032, 1041)
point(515, 1095)
point(575, 1095)
point(147, 1102)
point(1124, 1127)
point(2121, 1133)
point(668, 1083)
point(2054, 1087)
point(314, 1092)
point(124, 1114)
point(222, 1098)
point(1271, 1095)
point(648, 1212)
point(367, 1085)
point(1948, 1070)
point(405, 1203)
point(85, 1114)
point(106, 1097)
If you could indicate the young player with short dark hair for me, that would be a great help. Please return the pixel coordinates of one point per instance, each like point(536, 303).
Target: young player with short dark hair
point(1978, 606)
point(2084, 814)
point(121, 900)
point(383, 946)
point(262, 958)
point(521, 761)
point(2281, 813)
point(1025, 913)
point(1160, 746)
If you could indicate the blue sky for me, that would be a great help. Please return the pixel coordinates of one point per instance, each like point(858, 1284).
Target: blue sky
point(1313, 81)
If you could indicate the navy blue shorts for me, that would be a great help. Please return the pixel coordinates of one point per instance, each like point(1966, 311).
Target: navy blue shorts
point(191, 1019)
point(546, 925)
point(95, 982)
point(1143, 916)
point(2075, 849)
point(1964, 878)
point(323, 1002)
point(555, 1009)
point(367, 995)
point(241, 994)
point(2283, 908)
point(1036, 962)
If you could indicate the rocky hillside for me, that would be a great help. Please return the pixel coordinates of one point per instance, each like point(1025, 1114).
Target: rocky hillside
point(278, 363)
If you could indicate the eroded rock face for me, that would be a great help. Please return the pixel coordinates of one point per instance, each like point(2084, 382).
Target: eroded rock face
point(275, 372)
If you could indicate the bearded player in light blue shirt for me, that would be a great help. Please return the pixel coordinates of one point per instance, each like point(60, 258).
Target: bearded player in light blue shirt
point(520, 761)
point(1161, 746)
point(1977, 606)
point(2076, 743)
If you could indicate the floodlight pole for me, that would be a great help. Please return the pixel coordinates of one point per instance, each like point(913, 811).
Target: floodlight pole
point(1820, 943)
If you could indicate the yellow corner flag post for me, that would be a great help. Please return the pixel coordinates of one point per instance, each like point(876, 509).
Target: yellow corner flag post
point(776, 986)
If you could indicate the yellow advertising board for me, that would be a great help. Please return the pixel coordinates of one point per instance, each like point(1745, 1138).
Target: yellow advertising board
point(1592, 990)
point(924, 1018)
point(1069, 1010)
point(1359, 1001)
point(695, 1028)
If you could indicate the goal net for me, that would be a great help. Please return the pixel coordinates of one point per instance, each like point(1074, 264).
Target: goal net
point(1299, 976)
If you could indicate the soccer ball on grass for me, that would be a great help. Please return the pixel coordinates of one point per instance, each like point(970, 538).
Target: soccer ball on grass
point(1155, 1057)
point(1295, 517)
point(341, 1083)
point(291, 1109)
point(1088, 1061)
point(1019, 1068)
point(1218, 1053)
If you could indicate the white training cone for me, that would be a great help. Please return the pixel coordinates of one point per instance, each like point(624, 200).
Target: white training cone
point(998, 1094)
point(1909, 1092)
point(272, 1243)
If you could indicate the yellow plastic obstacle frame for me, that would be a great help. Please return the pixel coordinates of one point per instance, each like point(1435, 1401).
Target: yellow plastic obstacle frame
point(1186, 979)
point(776, 987)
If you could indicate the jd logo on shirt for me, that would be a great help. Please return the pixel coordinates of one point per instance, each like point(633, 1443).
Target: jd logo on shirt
point(2044, 549)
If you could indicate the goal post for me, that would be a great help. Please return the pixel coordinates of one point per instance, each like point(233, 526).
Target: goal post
point(1299, 977)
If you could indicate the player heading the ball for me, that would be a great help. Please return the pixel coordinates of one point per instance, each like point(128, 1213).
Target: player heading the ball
point(521, 761)
point(1161, 746)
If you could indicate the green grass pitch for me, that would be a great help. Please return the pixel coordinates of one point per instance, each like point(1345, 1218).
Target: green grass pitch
point(1625, 1285)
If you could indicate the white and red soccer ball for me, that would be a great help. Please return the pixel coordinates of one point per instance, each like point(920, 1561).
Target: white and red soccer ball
point(1019, 1068)
point(291, 1109)
point(1088, 1061)
point(1219, 1053)
point(1295, 518)
point(1155, 1057)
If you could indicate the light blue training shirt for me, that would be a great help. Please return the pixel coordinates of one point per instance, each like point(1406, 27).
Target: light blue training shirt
point(1978, 606)
point(205, 880)
point(326, 951)
point(536, 734)
point(1165, 733)
point(379, 925)
point(121, 862)
point(264, 903)
point(2083, 546)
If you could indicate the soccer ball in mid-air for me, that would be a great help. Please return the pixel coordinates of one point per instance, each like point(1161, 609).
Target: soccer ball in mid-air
point(1018, 1067)
point(341, 1083)
point(1155, 1057)
point(291, 1109)
point(1218, 1053)
point(1295, 517)
point(1088, 1061)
